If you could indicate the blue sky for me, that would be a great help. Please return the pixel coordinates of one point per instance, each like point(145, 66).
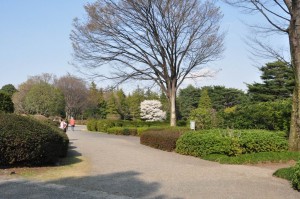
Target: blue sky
point(34, 39)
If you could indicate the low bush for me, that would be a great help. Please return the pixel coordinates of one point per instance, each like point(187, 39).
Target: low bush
point(254, 158)
point(230, 142)
point(25, 141)
point(296, 176)
point(122, 131)
point(104, 125)
point(164, 139)
point(91, 125)
point(200, 144)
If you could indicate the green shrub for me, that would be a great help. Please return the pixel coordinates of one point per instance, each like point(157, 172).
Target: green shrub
point(230, 142)
point(104, 125)
point(200, 144)
point(122, 131)
point(296, 176)
point(164, 139)
point(275, 115)
point(262, 141)
point(91, 125)
point(25, 141)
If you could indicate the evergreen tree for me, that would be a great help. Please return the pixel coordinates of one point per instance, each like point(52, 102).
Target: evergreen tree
point(6, 104)
point(188, 100)
point(278, 83)
point(222, 97)
point(134, 102)
point(204, 101)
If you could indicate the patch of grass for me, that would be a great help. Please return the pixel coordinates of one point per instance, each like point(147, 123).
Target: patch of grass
point(254, 158)
point(285, 173)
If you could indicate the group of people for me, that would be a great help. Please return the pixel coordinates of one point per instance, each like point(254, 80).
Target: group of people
point(64, 125)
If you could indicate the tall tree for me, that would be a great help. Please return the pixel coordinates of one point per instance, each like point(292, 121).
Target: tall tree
point(134, 102)
point(283, 16)
point(188, 100)
point(44, 99)
point(278, 83)
point(75, 93)
point(160, 41)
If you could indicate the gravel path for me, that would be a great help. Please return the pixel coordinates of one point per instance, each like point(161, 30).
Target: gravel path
point(122, 168)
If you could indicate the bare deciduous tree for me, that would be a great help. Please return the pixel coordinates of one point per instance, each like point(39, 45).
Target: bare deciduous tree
point(283, 16)
point(162, 41)
point(75, 93)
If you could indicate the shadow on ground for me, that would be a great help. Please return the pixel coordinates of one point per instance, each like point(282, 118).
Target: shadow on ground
point(115, 185)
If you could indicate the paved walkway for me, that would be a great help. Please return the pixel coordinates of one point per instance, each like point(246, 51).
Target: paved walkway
point(122, 168)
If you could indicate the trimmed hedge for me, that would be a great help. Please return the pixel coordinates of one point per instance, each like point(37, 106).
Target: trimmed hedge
point(104, 125)
point(164, 139)
point(25, 141)
point(230, 143)
point(122, 131)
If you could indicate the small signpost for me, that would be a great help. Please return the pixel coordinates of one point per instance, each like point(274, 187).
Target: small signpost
point(192, 125)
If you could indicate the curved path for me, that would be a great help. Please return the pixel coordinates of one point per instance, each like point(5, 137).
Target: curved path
point(122, 168)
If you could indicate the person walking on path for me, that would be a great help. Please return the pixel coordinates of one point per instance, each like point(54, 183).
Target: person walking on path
point(72, 123)
point(63, 125)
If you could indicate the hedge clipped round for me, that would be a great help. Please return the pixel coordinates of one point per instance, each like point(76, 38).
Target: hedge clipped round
point(25, 141)
point(164, 139)
point(230, 143)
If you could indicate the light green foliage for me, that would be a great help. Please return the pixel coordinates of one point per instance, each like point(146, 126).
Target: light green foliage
point(204, 116)
point(44, 99)
point(122, 106)
point(296, 176)
point(230, 142)
point(6, 104)
point(134, 102)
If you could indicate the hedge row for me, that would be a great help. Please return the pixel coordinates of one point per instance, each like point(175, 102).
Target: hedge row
point(104, 125)
point(25, 141)
point(231, 143)
point(164, 139)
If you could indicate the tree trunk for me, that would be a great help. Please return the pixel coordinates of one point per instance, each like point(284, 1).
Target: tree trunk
point(294, 38)
point(173, 104)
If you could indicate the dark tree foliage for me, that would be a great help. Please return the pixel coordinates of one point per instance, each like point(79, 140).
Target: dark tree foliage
point(6, 104)
point(222, 97)
point(188, 99)
point(9, 89)
point(278, 83)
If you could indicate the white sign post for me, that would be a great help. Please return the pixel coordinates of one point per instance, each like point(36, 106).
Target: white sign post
point(192, 125)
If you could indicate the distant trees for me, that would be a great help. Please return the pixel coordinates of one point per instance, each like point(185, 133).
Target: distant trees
point(278, 83)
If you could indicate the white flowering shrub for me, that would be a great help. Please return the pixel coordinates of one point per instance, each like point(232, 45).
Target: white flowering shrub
point(151, 111)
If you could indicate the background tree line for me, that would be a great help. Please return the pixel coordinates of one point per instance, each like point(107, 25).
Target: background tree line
point(66, 96)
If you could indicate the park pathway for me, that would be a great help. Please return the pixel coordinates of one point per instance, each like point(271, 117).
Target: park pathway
point(122, 168)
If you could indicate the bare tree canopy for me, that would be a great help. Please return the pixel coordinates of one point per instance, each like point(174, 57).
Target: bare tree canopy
point(283, 16)
point(158, 40)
